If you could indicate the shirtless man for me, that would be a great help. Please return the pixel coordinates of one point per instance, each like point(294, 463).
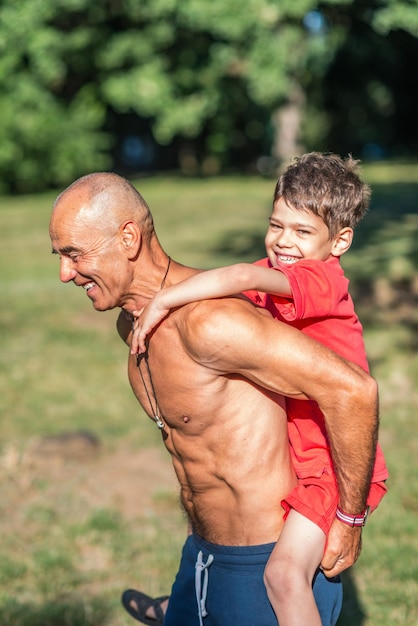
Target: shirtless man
point(213, 380)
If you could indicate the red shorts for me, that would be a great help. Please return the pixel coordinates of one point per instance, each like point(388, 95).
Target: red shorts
point(317, 499)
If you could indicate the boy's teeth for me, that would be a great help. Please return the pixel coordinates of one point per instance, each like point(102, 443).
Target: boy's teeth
point(287, 259)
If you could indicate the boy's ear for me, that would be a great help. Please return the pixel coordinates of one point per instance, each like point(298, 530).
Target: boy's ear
point(342, 241)
point(130, 238)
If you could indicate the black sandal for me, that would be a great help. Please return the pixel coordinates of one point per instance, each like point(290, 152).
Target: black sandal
point(131, 597)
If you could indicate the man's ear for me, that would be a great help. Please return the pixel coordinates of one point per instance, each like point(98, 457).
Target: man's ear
point(342, 241)
point(131, 238)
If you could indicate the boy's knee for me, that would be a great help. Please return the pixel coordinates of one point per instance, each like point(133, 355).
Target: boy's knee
point(276, 577)
point(283, 576)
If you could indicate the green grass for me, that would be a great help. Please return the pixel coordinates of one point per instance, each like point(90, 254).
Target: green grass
point(78, 528)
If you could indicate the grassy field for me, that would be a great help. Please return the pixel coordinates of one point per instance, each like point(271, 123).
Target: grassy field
point(88, 500)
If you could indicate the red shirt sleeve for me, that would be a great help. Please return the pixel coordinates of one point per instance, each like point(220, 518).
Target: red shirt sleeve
point(318, 290)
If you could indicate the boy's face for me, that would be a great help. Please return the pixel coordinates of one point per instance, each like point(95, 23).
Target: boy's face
point(294, 235)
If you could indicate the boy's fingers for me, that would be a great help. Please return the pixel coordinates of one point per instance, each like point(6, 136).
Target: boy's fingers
point(134, 343)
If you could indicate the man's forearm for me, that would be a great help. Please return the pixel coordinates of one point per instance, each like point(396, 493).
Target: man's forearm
point(352, 430)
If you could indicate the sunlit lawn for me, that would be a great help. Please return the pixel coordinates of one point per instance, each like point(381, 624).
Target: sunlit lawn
point(78, 528)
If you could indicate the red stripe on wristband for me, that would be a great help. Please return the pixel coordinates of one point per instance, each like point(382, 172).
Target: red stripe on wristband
point(352, 520)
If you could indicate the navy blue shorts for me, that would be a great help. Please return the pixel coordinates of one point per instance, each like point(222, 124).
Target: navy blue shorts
point(223, 585)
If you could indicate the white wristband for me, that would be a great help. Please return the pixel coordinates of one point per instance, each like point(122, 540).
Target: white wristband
point(352, 520)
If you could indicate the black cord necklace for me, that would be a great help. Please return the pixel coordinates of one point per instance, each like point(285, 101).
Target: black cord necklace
point(155, 409)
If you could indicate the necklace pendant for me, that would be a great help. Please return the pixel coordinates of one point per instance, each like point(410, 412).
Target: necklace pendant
point(159, 422)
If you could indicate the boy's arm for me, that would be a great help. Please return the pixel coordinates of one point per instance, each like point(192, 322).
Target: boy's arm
point(215, 283)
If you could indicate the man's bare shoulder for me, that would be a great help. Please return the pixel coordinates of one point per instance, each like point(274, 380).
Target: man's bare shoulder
point(210, 316)
point(209, 327)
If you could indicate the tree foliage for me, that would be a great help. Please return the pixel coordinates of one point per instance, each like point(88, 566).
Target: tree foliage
point(206, 73)
point(367, 92)
point(48, 132)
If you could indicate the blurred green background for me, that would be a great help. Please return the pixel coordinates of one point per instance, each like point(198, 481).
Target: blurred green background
point(201, 103)
point(201, 86)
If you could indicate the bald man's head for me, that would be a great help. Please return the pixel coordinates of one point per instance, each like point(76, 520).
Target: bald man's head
point(104, 200)
point(99, 226)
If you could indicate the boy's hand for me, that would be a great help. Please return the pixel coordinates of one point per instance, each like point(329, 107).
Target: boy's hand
point(138, 336)
point(146, 320)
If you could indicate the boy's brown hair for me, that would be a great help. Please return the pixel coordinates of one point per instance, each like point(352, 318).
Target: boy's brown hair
point(327, 185)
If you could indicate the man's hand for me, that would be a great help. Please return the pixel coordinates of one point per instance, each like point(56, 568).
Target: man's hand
point(342, 549)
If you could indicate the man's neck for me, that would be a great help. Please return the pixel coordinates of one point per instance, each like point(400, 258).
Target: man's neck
point(150, 276)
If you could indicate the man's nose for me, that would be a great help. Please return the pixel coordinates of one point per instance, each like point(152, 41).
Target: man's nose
point(67, 270)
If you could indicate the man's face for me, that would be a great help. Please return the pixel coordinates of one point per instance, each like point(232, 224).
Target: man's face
point(89, 256)
point(294, 235)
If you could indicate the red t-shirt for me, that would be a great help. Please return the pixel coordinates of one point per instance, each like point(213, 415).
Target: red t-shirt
point(322, 308)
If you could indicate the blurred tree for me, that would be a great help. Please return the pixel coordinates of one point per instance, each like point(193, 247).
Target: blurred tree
point(221, 80)
point(219, 70)
point(51, 118)
point(367, 92)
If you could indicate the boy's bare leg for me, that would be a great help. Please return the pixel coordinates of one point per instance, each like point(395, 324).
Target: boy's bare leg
point(290, 570)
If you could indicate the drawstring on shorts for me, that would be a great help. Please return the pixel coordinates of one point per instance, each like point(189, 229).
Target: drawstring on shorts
point(202, 590)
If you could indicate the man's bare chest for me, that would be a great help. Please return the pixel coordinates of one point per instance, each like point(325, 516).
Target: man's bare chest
point(170, 395)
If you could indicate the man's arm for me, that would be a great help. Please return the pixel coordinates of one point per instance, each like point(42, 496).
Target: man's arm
point(233, 336)
point(336, 557)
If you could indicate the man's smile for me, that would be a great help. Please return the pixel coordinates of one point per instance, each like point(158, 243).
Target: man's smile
point(88, 286)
